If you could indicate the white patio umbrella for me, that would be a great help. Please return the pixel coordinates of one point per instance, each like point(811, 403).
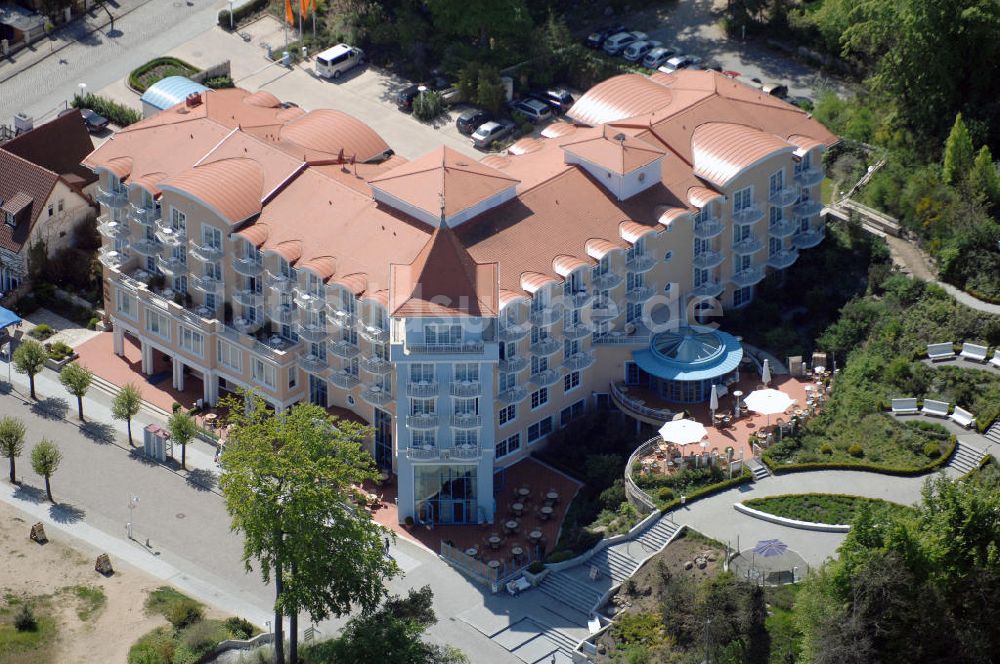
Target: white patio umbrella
point(768, 402)
point(713, 402)
point(683, 432)
point(765, 374)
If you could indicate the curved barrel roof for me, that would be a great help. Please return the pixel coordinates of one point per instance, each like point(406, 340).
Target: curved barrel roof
point(169, 91)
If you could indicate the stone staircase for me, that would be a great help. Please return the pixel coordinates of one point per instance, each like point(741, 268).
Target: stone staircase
point(967, 458)
point(759, 470)
point(569, 592)
point(993, 433)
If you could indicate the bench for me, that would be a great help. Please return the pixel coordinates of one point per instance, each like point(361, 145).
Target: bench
point(940, 352)
point(996, 359)
point(963, 417)
point(518, 585)
point(935, 408)
point(974, 352)
point(905, 407)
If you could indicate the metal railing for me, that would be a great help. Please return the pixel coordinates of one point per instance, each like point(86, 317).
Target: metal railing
point(628, 403)
point(606, 281)
point(476, 347)
point(708, 259)
point(783, 197)
point(748, 276)
point(783, 258)
point(112, 197)
point(423, 421)
point(515, 394)
point(425, 390)
point(643, 263)
point(809, 239)
point(465, 389)
point(747, 245)
point(708, 228)
point(466, 421)
point(748, 215)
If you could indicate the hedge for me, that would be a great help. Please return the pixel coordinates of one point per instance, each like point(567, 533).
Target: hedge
point(134, 77)
point(781, 469)
point(705, 491)
point(241, 13)
point(117, 113)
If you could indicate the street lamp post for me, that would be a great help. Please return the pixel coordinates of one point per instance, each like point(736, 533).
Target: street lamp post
point(230, 15)
point(133, 502)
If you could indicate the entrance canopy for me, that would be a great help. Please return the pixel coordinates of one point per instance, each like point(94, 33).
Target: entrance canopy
point(8, 318)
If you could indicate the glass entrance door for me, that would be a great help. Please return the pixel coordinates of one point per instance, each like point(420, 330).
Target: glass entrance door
point(383, 439)
point(317, 391)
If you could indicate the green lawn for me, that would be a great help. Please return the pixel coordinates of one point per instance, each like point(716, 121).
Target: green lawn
point(27, 647)
point(830, 508)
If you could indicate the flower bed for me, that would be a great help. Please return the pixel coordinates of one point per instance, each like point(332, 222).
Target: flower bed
point(143, 76)
point(827, 508)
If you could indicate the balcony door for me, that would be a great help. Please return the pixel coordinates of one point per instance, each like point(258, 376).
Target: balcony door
point(317, 391)
point(383, 439)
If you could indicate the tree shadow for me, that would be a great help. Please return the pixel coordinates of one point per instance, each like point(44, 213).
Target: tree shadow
point(99, 432)
point(66, 513)
point(202, 479)
point(29, 493)
point(51, 408)
point(137, 454)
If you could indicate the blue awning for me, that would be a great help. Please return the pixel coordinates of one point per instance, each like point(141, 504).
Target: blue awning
point(690, 354)
point(8, 318)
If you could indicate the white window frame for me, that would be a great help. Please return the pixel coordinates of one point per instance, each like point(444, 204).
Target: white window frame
point(507, 414)
point(229, 355)
point(539, 397)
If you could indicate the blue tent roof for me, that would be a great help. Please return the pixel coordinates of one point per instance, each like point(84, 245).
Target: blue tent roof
point(170, 91)
point(8, 318)
point(689, 354)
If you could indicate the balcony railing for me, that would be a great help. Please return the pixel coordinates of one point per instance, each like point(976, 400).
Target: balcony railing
point(461, 388)
point(340, 317)
point(207, 284)
point(546, 346)
point(747, 245)
point(376, 395)
point(312, 332)
point(344, 380)
point(620, 395)
point(344, 349)
point(709, 288)
point(514, 331)
point(809, 177)
point(376, 365)
point(433, 453)
point(172, 237)
point(113, 198)
point(606, 281)
point(620, 338)
point(112, 229)
point(576, 330)
point(425, 453)
point(246, 326)
point(248, 298)
point(313, 364)
point(748, 276)
point(782, 259)
point(579, 361)
point(422, 389)
point(810, 238)
point(248, 267)
point(280, 283)
point(281, 313)
point(111, 258)
point(513, 364)
point(206, 253)
point(470, 347)
point(639, 294)
point(707, 228)
point(579, 299)
point(643, 263)
point(423, 421)
point(147, 247)
point(783, 197)
point(373, 334)
point(807, 208)
point(708, 259)
point(309, 301)
point(463, 452)
point(466, 421)
point(515, 394)
point(172, 266)
point(605, 311)
point(550, 315)
point(782, 228)
point(544, 378)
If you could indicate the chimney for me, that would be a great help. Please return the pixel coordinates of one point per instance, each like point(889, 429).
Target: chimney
point(193, 99)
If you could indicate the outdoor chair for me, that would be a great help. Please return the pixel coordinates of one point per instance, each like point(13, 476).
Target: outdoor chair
point(938, 352)
point(963, 418)
point(795, 365)
point(907, 406)
point(819, 359)
point(935, 408)
point(974, 352)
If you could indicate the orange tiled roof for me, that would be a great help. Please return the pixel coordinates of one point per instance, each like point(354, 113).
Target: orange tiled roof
point(234, 187)
point(722, 150)
point(614, 150)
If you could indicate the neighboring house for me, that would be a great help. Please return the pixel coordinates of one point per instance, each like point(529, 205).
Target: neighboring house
point(466, 309)
point(44, 192)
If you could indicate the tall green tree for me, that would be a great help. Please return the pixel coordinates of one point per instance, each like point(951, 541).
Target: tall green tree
point(481, 19)
point(29, 358)
point(289, 484)
point(183, 428)
point(76, 379)
point(983, 179)
point(126, 405)
point(12, 432)
point(958, 154)
point(45, 459)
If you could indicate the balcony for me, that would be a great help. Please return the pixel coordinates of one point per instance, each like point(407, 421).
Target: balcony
point(747, 276)
point(110, 258)
point(344, 380)
point(171, 237)
point(748, 215)
point(280, 283)
point(248, 298)
point(207, 253)
point(376, 395)
point(782, 228)
point(424, 390)
point(579, 361)
point(709, 288)
point(309, 301)
point(113, 198)
point(465, 388)
point(605, 311)
point(544, 378)
point(145, 216)
point(340, 317)
point(245, 326)
point(708, 259)
point(376, 365)
point(606, 281)
point(147, 247)
point(512, 395)
point(423, 421)
point(706, 229)
point(576, 330)
point(782, 259)
point(643, 263)
point(809, 239)
point(207, 284)
point(579, 299)
point(550, 315)
point(425, 453)
point(809, 177)
point(373, 333)
point(344, 349)
point(783, 197)
point(112, 229)
point(639, 294)
point(747, 245)
point(637, 407)
point(313, 364)
point(248, 267)
point(463, 452)
point(546, 346)
point(281, 313)
point(466, 421)
point(620, 338)
point(312, 332)
point(469, 347)
point(513, 364)
point(172, 267)
point(807, 208)
point(514, 331)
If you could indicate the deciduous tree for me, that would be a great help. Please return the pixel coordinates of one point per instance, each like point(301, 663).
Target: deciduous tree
point(11, 441)
point(45, 460)
point(183, 429)
point(76, 379)
point(126, 406)
point(29, 358)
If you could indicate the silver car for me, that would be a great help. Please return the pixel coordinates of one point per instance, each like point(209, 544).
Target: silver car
point(676, 62)
point(616, 43)
point(635, 51)
point(657, 56)
point(483, 137)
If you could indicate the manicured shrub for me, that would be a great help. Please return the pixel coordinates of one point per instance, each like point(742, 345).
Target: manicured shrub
point(184, 612)
point(826, 448)
point(536, 567)
point(932, 450)
point(42, 331)
point(665, 494)
point(240, 628)
point(217, 82)
point(427, 106)
point(856, 451)
point(118, 113)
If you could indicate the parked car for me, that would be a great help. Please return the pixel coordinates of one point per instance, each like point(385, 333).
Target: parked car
point(95, 122)
point(558, 99)
point(334, 61)
point(776, 90)
point(616, 43)
point(471, 120)
point(637, 50)
point(484, 136)
point(597, 38)
point(658, 56)
point(536, 111)
point(675, 63)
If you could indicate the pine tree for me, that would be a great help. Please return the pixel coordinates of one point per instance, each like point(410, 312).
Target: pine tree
point(958, 153)
point(983, 178)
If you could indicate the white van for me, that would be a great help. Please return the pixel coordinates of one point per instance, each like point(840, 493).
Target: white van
point(333, 62)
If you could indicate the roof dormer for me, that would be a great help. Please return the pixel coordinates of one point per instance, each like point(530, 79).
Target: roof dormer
point(624, 164)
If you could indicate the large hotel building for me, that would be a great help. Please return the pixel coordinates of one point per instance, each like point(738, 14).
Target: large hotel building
point(465, 309)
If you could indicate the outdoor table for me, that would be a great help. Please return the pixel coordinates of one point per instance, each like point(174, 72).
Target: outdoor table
point(493, 564)
point(518, 508)
point(511, 525)
point(471, 552)
point(494, 542)
point(210, 419)
point(552, 495)
point(547, 511)
point(516, 551)
point(524, 492)
point(535, 535)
